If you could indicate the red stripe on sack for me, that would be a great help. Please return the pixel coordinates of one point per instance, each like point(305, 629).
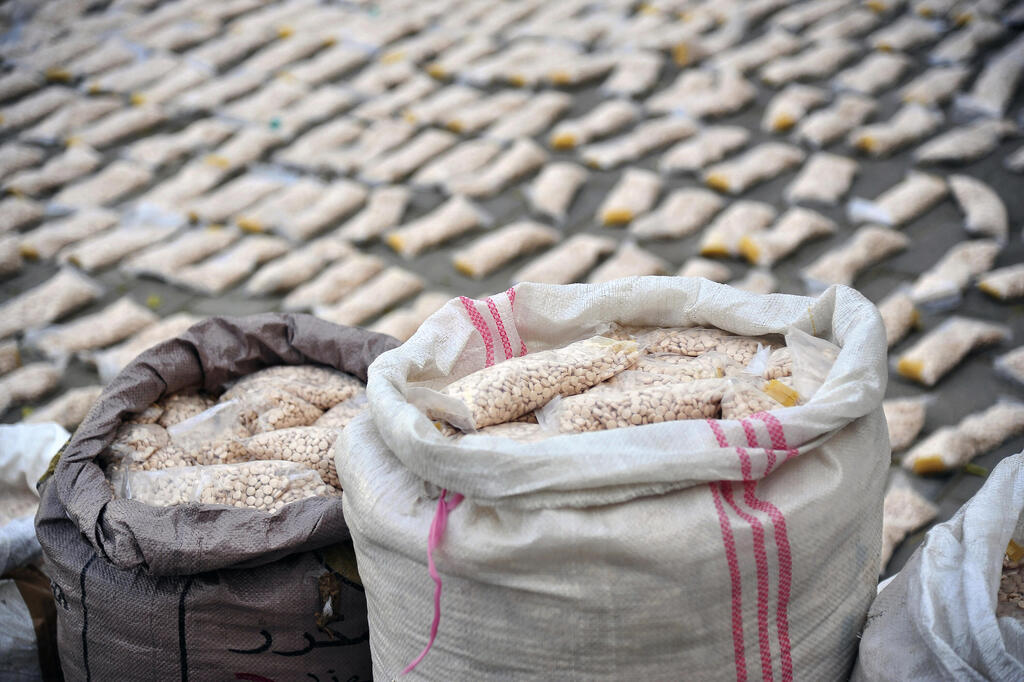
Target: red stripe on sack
point(478, 321)
point(737, 587)
point(781, 543)
point(501, 328)
point(511, 293)
point(776, 433)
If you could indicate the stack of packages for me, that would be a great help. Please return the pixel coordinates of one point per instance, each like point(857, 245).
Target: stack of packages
point(205, 538)
point(653, 520)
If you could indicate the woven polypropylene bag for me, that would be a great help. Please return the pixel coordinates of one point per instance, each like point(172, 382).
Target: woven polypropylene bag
point(199, 592)
point(689, 549)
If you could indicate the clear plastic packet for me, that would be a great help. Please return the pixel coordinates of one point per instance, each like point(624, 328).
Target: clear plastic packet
point(306, 151)
point(554, 188)
point(943, 348)
point(310, 446)
point(218, 273)
point(779, 364)
point(60, 170)
point(463, 159)
point(965, 144)
point(633, 195)
point(244, 147)
point(526, 432)
point(34, 107)
point(339, 416)
point(490, 252)
point(903, 511)
point(114, 323)
point(801, 15)
point(752, 54)
point(710, 365)
point(133, 76)
point(629, 260)
point(566, 262)
point(107, 248)
point(66, 291)
point(826, 125)
point(724, 94)
point(232, 197)
point(337, 200)
point(15, 156)
point(114, 182)
point(454, 59)
point(695, 341)
point(257, 103)
point(643, 139)
point(176, 36)
point(683, 212)
point(396, 99)
point(477, 115)
point(873, 74)
point(284, 52)
point(17, 212)
point(299, 266)
point(227, 49)
point(634, 73)
point(902, 202)
point(164, 260)
point(906, 33)
point(17, 83)
point(745, 396)
point(10, 255)
point(264, 486)
point(522, 158)
point(398, 164)
point(604, 119)
point(277, 208)
point(419, 47)
point(29, 383)
point(441, 104)
point(120, 125)
point(180, 407)
point(503, 392)
point(374, 297)
point(935, 86)
point(820, 60)
point(182, 77)
point(135, 443)
point(792, 230)
point(723, 236)
point(69, 409)
point(706, 147)
point(1003, 283)
point(911, 123)
point(790, 105)
point(334, 282)
point(899, 316)
point(1011, 365)
point(763, 162)
point(984, 212)
point(943, 283)
point(73, 116)
point(451, 219)
point(195, 178)
point(384, 209)
point(377, 78)
point(319, 386)
point(534, 117)
point(329, 64)
point(811, 359)
point(905, 419)
point(825, 178)
point(950, 447)
point(994, 87)
point(848, 24)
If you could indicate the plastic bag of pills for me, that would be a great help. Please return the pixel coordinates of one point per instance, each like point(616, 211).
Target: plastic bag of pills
point(870, 244)
point(911, 123)
point(1011, 365)
point(1003, 283)
point(567, 261)
point(903, 511)
point(494, 250)
point(629, 261)
point(965, 144)
point(724, 234)
point(825, 178)
point(645, 138)
point(463, 159)
point(944, 282)
point(790, 105)
point(47, 302)
point(950, 447)
point(455, 217)
point(522, 158)
point(793, 229)
point(376, 296)
point(683, 212)
point(706, 147)
point(943, 348)
point(829, 124)
point(552, 191)
point(902, 202)
point(69, 409)
point(984, 212)
point(604, 119)
point(309, 446)
point(935, 86)
point(905, 418)
point(634, 194)
point(875, 73)
point(899, 315)
point(114, 323)
point(763, 162)
point(818, 61)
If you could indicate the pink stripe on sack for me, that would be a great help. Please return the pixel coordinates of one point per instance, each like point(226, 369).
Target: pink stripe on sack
point(501, 328)
point(478, 321)
point(776, 433)
point(737, 587)
point(511, 293)
point(437, 527)
point(781, 542)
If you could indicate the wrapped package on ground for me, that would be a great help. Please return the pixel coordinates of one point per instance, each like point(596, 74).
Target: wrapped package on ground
point(824, 178)
point(869, 245)
point(699, 94)
point(46, 240)
point(404, 322)
point(246, 146)
point(218, 273)
point(28, 383)
point(950, 447)
point(628, 261)
point(278, 208)
point(911, 123)
point(395, 99)
point(30, 109)
point(70, 118)
point(107, 248)
point(724, 234)
point(566, 262)
point(322, 104)
point(984, 212)
point(112, 183)
point(1003, 283)
point(800, 15)
point(134, 76)
point(790, 105)
point(903, 511)
point(10, 357)
point(645, 138)
point(329, 64)
point(792, 230)
point(193, 245)
point(113, 324)
point(218, 91)
point(181, 78)
point(383, 211)
point(226, 50)
point(307, 149)
point(310, 446)
point(1010, 365)
point(820, 60)
point(849, 24)
point(339, 416)
point(695, 266)
point(995, 85)
point(965, 43)
point(379, 77)
point(376, 139)
point(17, 212)
point(479, 114)
point(69, 409)
point(455, 217)
point(604, 119)
point(756, 281)
point(829, 124)
point(706, 147)
point(17, 83)
point(905, 418)
point(946, 280)
point(15, 157)
point(906, 33)
point(902, 202)
point(463, 159)
point(899, 315)
point(179, 36)
point(192, 180)
point(397, 164)
point(460, 55)
point(59, 170)
point(754, 53)
point(1015, 161)
point(532, 118)
point(283, 52)
point(875, 73)
point(634, 194)
point(942, 349)
point(336, 201)
point(119, 125)
point(522, 158)
point(418, 48)
point(334, 283)
point(492, 251)
point(442, 104)
point(375, 296)
point(763, 162)
point(298, 266)
point(935, 86)
point(683, 212)
point(64, 292)
point(232, 197)
point(10, 255)
point(552, 191)
point(109, 362)
point(634, 74)
point(965, 144)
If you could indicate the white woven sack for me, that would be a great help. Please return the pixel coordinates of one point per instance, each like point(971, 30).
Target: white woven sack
point(680, 550)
